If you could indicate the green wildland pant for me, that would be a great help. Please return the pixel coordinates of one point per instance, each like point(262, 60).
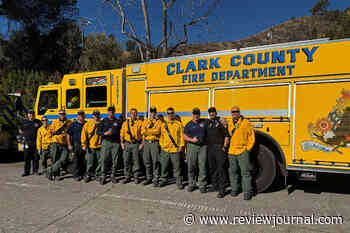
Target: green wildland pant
point(93, 162)
point(197, 158)
point(151, 160)
point(241, 162)
point(44, 156)
point(110, 153)
point(59, 154)
point(131, 159)
point(174, 158)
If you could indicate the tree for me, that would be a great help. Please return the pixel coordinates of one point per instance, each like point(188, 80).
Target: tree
point(100, 53)
point(43, 14)
point(175, 26)
point(55, 51)
point(320, 7)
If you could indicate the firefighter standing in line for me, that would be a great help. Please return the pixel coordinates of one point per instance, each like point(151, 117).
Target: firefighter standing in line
point(194, 135)
point(218, 141)
point(74, 145)
point(151, 133)
point(91, 144)
point(109, 129)
point(43, 141)
point(29, 129)
point(58, 147)
point(241, 143)
point(171, 143)
point(131, 142)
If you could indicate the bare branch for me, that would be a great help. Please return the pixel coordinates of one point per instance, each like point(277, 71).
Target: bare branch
point(120, 11)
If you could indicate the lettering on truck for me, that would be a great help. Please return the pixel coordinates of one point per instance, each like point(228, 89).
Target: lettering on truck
point(189, 72)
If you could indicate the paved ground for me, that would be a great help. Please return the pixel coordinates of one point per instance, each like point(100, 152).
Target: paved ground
point(33, 204)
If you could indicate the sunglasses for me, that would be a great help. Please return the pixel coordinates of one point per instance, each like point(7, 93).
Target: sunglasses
point(235, 112)
point(170, 113)
point(43, 120)
point(62, 113)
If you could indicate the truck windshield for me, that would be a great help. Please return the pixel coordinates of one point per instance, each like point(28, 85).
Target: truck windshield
point(48, 100)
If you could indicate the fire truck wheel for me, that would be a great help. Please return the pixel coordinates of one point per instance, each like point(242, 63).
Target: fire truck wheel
point(264, 168)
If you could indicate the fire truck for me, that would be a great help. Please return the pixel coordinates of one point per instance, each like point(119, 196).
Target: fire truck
point(296, 95)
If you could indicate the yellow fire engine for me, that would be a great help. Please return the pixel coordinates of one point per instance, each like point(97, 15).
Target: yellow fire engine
point(296, 95)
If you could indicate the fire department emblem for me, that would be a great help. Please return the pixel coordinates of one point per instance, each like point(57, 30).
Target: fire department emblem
point(331, 133)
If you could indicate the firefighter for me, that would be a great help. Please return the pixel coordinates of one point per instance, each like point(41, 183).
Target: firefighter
point(29, 129)
point(241, 142)
point(58, 147)
point(131, 142)
point(74, 145)
point(171, 144)
point(91, 144)
point(43, 141)
point(151, 133)
point(109, 130)
point(194, 135)
point(218, 139)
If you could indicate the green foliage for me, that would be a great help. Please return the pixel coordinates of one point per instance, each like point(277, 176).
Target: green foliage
point(103, 52)
point(25, 80)
point(320, 7)
point(55, 51)
point(42, 14)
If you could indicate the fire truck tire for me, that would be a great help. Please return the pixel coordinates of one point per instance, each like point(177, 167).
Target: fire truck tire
point(264, 167)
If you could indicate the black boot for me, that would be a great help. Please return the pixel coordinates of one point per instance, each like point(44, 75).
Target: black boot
point(114, 180)
point(248, 196)
point(147, 182)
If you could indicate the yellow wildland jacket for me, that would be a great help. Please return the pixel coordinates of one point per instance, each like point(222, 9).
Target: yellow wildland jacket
point(176, 131)
point(151, 133)
point(87, 133)
point(135, 129)
point(243, 137)
point(59, 137)
point(43, 138)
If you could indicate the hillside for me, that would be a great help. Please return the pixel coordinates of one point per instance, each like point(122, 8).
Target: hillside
point(295, 29)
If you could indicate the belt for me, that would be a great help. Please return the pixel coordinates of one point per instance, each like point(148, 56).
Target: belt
point(136, 142)
point(151, 141)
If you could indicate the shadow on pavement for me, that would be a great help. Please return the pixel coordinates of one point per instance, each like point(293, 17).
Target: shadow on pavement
point(10, 156)
point(326, 183)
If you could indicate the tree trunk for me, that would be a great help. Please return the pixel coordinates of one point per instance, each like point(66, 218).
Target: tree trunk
point(147, 27)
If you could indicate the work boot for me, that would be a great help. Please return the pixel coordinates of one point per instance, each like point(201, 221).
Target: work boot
point(234, 194)
point(190, 188)
point(25, 174)
point(126, 180)
point(102, 180)
point(247, 196)
point(202, 190)
point(221, 194)
point(114, 180)
point(163, 183)
point(137, 180)
point(179, 185)
point(87, 179)
point(212, 189)
point(77, 178)
point(147, 182)
point(155, 184)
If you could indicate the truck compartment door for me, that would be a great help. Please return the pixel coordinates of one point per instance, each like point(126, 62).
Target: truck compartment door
point(322, 123)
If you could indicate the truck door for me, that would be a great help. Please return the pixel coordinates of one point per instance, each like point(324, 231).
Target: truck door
point(322, 123)
point(48, 102)
point(136, 96)
point(72, 96)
